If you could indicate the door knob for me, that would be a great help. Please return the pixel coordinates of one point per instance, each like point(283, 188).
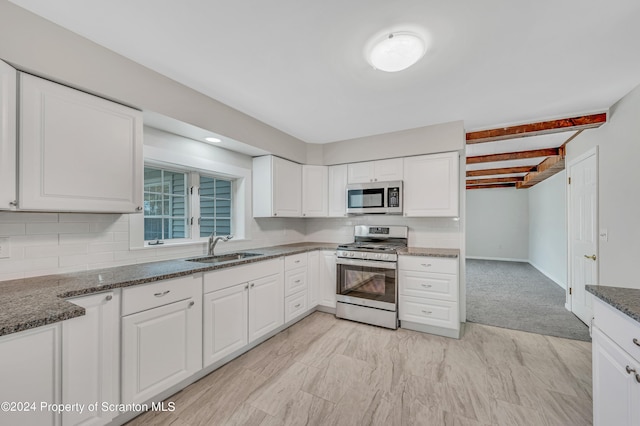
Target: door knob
point(592, 257)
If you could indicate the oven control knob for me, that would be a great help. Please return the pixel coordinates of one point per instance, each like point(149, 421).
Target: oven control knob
point(379, 256)
point(385, 257)
point(351, 254)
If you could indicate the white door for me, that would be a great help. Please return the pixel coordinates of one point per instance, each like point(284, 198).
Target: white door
point(338, 190)
point(287, 188)
point(90, 359)
point(431, 185)
point(8, 78)
point(315, 185)
point(160, 347)
point(386, 170)
point(360, 172)
point(266, 305)
point(583, 233)
point(225, 322)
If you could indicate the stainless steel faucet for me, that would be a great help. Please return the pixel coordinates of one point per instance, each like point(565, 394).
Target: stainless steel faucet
point(213, 241)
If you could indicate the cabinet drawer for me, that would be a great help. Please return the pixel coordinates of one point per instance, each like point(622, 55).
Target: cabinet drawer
point(295, 261)
point(443, 265)
point(618, 326)
point(428, 311)
point(228, 277)
point(295, 305)
point(295, 281)
point(430, 285)
point(158, 293)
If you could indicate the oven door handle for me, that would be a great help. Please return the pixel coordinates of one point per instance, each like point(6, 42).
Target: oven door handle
point(368, 263)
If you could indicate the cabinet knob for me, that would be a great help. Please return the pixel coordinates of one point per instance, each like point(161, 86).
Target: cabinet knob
point(630, 370)
point(304, 214)
point(252, 285)
point(426, 285)
point(192, 303)
point(275, 214)
point(246, 287)
point(13, 203)
point(139, 209)
point(426, 265)
point(638, 378)
point(297, 281)
point(108, 298)
point(297, 306)
point(636, 341)
point(426, 312)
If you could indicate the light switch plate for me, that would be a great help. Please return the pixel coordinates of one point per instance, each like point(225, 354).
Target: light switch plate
point(5, 248)
point(604, 234)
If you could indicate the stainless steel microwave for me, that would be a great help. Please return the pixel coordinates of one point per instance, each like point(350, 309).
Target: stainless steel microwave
point(375, 197)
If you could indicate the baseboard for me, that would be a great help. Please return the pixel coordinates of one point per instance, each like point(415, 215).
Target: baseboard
point(552, 278)
point(503, 259)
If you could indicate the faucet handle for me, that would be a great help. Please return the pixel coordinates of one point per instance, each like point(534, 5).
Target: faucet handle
point(228, 237)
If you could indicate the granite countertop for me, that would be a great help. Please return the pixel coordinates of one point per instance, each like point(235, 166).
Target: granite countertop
point(626, 300)
point(33, 302)
point(432, 252)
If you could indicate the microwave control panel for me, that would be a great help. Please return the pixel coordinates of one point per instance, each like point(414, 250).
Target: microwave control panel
point(393, 197)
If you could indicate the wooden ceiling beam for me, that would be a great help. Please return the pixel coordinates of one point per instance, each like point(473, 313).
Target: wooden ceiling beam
point(500, 171)
point(495, 180)
point(513, 155)
point(497, 185)
point(545, 170)
point(541, 128)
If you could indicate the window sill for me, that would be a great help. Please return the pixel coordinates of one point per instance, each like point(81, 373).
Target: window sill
point(182, 244)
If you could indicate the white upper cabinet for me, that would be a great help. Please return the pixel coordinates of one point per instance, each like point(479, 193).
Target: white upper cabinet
point(77, 152)
point(375, 171)
point(277, 187)
point(431, 185)
point(315, 183)
point(8, 77)
point(337, 190)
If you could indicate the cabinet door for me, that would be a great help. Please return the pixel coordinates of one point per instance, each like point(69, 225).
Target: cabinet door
point(386, 170)
point(313, 281)
point(615, 386)
point(328, 279)
point(431, 185)
point(287, 188)
point(78, 152)
point(225, 317)
point(338, 190)
point(90, 358)
point(266, 305)
point(160, 348)
point(8, 172)
point(30, 372)
point(360, 172)
point(315, 183)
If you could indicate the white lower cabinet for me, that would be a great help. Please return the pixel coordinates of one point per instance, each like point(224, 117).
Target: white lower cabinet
point(241, 304)
point(91, 359)
point(327, 279)
point(616, 367)
point(296, 285)
point(428, 295)
point(30, 376)
point(161, 345)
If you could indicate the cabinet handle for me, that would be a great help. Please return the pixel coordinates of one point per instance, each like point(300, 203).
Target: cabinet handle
point(108, 298)
point(426, 285)
point(426, 265)
point(297, 261)
point(426, 312)
point(192, 303)
point(636, 341)
point(630, 370)
point(297, 306)
point(164, 293)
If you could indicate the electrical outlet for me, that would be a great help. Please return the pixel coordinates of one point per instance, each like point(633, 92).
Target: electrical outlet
point(5, 248)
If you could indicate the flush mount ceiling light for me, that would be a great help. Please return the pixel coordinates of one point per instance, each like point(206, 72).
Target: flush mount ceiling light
point(212, 139)
point(397, 51)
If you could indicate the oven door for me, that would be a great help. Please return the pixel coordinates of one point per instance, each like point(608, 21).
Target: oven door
point(367, 283)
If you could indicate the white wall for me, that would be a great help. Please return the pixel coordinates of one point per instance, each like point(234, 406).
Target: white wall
point(548, 227)
point(497, 224)
point(618, 142)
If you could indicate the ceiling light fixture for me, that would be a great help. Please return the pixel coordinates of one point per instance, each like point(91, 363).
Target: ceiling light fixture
point(397, 51)
point(212, 139)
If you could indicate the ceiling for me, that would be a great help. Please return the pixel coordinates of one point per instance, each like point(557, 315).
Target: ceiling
point(299, 65)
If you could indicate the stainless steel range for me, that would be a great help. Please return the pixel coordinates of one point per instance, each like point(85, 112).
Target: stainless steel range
point(367, 284)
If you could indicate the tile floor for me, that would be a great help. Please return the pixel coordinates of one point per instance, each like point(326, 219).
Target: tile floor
point(325, 371)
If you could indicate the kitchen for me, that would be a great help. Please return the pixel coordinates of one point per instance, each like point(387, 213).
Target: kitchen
point(58, 242)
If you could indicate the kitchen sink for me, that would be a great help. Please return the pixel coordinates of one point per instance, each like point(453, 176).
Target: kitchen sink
point(223, 257)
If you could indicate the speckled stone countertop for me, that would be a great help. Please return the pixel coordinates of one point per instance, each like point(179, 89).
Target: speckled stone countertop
point(626, 300)
point(37, 301)
point(432, 252)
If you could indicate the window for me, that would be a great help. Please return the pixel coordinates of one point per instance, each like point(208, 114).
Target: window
point(165, 204)
point(170, 208)
point(215, 206)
